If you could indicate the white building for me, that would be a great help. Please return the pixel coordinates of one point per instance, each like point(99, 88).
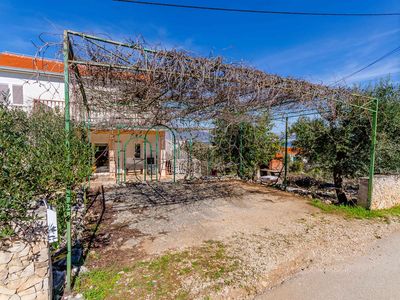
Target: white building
point(32, 82)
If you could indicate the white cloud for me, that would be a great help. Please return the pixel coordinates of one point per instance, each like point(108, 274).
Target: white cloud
point(326, 60)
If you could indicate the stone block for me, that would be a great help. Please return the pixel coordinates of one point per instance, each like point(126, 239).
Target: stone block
point(32, 281)
point(17, 247)
point(5, 257)
point(29, 291)
point(42, 296)
point(7, 290)
point(24, 252)
point(16, 282)
point(42, 272)
point(15, 262)
point(15, 297)
point(29, 271)
point(3, 273)
point(29, 297)
point(15, 269)
point(385, 192)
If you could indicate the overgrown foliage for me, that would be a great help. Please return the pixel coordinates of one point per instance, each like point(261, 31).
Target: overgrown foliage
point(339, 143)
point(34, 166)
point(243, 147)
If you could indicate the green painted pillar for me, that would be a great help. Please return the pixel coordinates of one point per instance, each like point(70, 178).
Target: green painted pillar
point(118, 154)
point(144, 159)
point(68, 156)
point(156, 154)
point(241, 150)
point(174, 140)
point(286, 151)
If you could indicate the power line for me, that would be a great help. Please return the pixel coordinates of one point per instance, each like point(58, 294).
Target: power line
point(255, 11)
point(367, 66)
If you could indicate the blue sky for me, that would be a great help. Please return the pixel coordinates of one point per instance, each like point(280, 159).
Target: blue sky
point(320, 49)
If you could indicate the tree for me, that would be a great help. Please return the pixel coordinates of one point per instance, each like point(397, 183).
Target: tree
point(243, 147)
point(340, 143)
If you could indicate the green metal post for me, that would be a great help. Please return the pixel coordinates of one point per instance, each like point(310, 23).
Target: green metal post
point(124, 163)
point(190, 158)
point(286, 151)
point(90, 142)
point(241, 150)
point(144, 159)
point(174, 139)
point(156, 156)
point(118, 154)
point(68, 148)
point(372, 153)
point(208, 162)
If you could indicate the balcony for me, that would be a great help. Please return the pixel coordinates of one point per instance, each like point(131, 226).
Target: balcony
point(98, 118)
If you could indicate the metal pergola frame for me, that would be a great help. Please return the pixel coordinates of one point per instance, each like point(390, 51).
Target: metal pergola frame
point(67, 60)
point(302, 113)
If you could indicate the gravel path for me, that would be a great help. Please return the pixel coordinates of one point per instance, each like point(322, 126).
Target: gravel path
point(275, 234)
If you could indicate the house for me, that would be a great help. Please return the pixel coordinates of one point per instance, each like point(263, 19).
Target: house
point(32, 82)
point(276, 164)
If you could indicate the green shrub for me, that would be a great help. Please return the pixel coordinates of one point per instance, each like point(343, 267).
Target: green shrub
point(34, 166)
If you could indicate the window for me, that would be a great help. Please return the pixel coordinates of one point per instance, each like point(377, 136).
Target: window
point(137, 150)
point(4, 91)
point(18, 95)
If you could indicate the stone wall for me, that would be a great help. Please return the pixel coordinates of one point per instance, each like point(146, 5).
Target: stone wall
point(25, 270)
point(386, 192)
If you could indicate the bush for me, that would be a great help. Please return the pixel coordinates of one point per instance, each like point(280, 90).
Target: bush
point(34, 166)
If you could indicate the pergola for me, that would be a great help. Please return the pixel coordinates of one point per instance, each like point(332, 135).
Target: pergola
point(126, 85)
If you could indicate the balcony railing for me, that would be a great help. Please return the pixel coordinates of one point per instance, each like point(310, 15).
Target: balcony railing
point(98, 117)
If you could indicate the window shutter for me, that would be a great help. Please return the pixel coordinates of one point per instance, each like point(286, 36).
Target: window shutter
point(18, 95)
point(4, 92)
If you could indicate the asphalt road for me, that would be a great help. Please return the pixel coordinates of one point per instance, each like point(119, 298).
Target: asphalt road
point(375, 275)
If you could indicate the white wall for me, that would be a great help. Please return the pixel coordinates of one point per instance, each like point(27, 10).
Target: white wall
point(46, 87)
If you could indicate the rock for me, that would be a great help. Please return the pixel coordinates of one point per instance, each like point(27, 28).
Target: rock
point(17, 247)
point(28, 271)
point(45, 285)
point(7, 290)
point(5, 257)
point(28, 292)
point(24, 252)
point(4, 297)
point(15, 269)
point(42, 296)
point(3, 273)
point(15, 262)
point(29, 297)
point(15, 297)
point(79, 270)
point(39, 286)
point(43, 255)
point(32, 281)
point(15, 283)
point(42, 272)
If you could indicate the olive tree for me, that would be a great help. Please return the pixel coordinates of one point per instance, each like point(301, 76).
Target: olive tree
point(243, 147)
point(339, 143)
point(33, 164)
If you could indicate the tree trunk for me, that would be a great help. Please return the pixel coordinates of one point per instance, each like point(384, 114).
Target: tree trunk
point(338, 181)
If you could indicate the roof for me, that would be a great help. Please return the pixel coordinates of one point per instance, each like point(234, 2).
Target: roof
point(25, 62)
point(291, 151)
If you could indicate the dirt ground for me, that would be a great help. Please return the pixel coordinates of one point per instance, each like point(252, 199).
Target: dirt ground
point(273, 234)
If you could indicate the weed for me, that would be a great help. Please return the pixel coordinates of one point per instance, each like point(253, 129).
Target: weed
point(164, 277)
point(357, 212)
